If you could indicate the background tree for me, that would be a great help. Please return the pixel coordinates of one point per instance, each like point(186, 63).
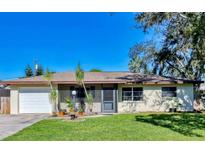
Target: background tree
point(95, 70)
point(39, 70)
point(28, 71)
point(142, 57)
point(181, 47)
point(181, 43)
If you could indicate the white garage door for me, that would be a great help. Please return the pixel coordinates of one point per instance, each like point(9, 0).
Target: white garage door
point(34, 100)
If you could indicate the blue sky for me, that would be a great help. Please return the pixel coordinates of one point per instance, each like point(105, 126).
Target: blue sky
point(60, 40)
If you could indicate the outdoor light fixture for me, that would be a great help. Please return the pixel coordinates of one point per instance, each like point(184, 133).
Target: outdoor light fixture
point(74, 92)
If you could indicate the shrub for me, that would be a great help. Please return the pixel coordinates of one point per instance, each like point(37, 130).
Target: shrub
point(70, 104)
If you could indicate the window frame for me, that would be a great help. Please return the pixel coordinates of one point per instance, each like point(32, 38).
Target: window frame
point(175, 92)
point(132, 91)
point(127, 96)
point(139, 91)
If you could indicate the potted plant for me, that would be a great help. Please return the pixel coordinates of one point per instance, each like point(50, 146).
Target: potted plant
point(80, 111)
point(61, 113)
point(70, 105)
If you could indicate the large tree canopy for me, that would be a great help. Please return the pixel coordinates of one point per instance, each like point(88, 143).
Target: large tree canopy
point(142, 57)
point(28, 71)
point(180, 51)
point(39, 70)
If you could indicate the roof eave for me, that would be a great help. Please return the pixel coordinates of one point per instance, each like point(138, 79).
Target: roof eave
point(55, 82)
point(24, 83)
point(98, 82)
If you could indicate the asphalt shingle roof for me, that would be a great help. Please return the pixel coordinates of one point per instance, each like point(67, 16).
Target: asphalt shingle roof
point(102, 77)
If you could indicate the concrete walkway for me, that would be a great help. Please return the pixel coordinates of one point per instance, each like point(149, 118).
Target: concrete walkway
point(96, 116)
point(11, 124)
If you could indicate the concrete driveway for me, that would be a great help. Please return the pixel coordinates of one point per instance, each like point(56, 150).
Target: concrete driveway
point(11, 124)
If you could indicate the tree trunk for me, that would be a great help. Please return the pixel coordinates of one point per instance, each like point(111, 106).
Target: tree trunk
point(54, 107)
point(54, 104)
point(86, 93)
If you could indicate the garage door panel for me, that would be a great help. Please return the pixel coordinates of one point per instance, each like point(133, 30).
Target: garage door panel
point(34, 100)
point(34, 105)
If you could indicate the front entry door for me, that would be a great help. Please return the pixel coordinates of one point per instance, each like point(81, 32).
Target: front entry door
point(108, 104)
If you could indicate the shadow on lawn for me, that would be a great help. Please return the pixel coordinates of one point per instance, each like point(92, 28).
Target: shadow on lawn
point(182, 123)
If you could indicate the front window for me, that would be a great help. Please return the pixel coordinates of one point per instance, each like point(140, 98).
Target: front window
point(137, 94)
point(132, 94)
point(127, 94)
point(169, 92)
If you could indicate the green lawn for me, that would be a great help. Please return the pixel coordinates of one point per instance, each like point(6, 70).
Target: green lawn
point(131, 127)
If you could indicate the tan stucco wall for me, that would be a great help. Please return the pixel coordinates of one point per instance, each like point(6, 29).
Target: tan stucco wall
point(14, 101)
point(152, 99)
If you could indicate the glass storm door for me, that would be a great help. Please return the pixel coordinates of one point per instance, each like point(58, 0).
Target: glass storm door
point(108, 105)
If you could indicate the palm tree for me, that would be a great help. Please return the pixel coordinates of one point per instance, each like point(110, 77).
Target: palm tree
point(79, 74)
point(53, 94)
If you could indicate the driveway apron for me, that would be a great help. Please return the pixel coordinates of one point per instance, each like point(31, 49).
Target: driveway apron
point(11, 124)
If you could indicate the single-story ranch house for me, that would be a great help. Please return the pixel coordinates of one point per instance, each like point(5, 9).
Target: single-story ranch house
point(113, 92)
